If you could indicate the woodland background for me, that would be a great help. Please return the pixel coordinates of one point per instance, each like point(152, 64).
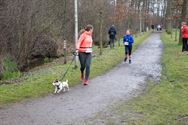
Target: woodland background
point(33, 30)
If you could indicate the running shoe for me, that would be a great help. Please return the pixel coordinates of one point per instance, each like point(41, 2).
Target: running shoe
point(125, 59)
point(86, 82)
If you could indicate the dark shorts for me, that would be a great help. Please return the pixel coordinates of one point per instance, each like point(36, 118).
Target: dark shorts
point(128, 49)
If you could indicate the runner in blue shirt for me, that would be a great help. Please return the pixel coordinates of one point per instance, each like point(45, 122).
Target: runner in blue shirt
point(128, 41)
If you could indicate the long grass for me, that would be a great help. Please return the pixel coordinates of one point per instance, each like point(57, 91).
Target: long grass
point(39, 83)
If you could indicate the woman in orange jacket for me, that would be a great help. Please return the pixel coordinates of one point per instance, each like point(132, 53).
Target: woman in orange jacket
point(184, 32)
point(84, 48)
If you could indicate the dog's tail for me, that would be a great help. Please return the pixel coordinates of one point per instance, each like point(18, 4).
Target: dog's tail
point(67, 81)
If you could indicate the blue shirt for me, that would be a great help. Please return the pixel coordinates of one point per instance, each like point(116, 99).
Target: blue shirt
point(129, 39)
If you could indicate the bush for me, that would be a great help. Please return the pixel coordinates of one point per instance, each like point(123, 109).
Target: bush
point(8, 74)
point(10, 69)
point(1, 75)
point(168, 31)
point(47, 60)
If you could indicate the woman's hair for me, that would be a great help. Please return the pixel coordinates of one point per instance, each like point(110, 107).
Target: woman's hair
point(183, 23)
point(128, 31)
point(88, 27)
point(80, 32)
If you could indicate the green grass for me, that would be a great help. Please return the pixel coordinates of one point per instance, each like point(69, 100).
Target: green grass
point(165, 103)
point(39, 82)
point(10, 69)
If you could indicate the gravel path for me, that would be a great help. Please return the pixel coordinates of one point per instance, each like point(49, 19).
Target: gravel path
point(121, 83)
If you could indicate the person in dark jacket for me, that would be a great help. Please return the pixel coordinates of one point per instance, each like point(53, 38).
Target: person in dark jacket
point(112, 36)
point(184, 34)
point(128, 41)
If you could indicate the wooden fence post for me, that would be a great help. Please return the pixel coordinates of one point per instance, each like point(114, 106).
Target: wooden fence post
point(101, 23)
point(65, 51)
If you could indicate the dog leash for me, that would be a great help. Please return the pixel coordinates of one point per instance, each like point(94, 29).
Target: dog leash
point(74, 56)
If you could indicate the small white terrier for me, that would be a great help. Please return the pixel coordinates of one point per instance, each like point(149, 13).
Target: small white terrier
point(60, 85)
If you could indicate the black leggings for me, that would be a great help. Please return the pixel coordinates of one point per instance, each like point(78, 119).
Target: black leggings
point(185, 44)
point(128, 49)
point(85, 61)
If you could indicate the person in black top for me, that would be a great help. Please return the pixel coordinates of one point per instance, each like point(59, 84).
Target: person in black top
point(112, 36)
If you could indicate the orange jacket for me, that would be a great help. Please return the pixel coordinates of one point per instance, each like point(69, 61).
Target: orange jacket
point(84, 42)
point(184, 31)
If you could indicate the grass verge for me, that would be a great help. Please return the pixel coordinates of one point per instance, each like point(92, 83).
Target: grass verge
point(165, 103)
point(38, 83)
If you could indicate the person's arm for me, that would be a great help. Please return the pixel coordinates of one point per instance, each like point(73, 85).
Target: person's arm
point(109, 31)
point(132, 39)
point(124, 39)
point(80, 40)
point(182, 29)
point(115, 32)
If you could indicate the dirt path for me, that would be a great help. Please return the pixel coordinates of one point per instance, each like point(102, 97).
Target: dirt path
point(120, 83)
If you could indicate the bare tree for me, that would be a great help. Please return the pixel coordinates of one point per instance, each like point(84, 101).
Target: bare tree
point(33, 30)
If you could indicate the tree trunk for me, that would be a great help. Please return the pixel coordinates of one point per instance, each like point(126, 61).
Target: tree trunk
point(169, 17)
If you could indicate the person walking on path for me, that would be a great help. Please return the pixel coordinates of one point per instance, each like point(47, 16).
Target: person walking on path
point(128, 41)
point(112, 36)
point(184, 32)
point(84, 49)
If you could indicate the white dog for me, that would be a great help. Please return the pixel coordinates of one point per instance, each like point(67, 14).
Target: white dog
point(60, 85)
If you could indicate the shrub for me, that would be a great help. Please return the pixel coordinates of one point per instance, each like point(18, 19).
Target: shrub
point(168, 31)
point(10, 69)
point(47, 60)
